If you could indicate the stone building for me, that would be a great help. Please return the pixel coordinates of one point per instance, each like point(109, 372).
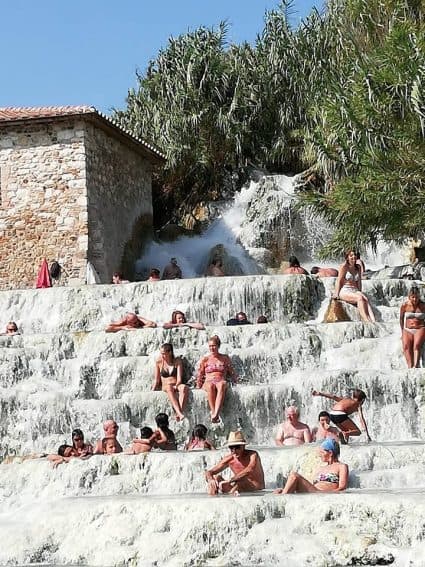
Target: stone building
point(74, 187)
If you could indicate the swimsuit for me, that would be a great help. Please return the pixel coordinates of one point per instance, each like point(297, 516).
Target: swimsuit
point(331, 477)
point(217, 367)
point(412, 315)
point(165, 372)
point(338, 416)
point(350, 285)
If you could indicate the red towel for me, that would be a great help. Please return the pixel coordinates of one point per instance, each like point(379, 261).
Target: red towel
point(43, 277)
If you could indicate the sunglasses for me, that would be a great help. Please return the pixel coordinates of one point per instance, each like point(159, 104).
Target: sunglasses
point(236, 447)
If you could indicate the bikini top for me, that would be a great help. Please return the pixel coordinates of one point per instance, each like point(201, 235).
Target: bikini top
point(166, 373)
point(215, 366)
point(349, 277)
point(412, 315)
point(327, 477)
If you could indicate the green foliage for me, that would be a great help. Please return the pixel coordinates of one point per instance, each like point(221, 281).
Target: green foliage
point(342, 94)
point(368, 133)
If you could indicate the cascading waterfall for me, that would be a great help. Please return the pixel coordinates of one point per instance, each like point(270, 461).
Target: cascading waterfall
point(65, 372)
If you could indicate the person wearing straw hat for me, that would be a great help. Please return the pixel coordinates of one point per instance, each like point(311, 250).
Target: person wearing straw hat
point(245, 465)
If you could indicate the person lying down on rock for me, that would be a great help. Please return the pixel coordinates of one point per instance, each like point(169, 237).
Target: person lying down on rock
point(130, 322)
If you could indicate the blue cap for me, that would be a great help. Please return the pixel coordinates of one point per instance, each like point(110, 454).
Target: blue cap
point(330, 445)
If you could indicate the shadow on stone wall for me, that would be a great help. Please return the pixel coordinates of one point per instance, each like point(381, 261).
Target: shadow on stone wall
point(141, 234)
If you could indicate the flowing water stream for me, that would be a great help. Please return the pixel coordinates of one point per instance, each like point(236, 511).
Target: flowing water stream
point(65, 372)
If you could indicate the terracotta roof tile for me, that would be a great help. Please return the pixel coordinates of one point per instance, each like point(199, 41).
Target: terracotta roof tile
point(12, 114)
point(25, 113)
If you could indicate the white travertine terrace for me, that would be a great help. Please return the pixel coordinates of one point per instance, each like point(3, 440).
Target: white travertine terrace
point(65, 372)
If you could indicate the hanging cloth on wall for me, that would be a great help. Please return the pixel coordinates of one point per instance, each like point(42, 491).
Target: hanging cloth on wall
point(92, 277)
point(43, 276)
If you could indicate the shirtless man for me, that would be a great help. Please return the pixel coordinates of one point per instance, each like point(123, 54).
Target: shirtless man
point(11, 329)
point(325, 430)
point(129, 323)
point(172, 271)
point(342, 409)
point(110, 427)
point(292, 431)
point(246, 467)
point(324, 272)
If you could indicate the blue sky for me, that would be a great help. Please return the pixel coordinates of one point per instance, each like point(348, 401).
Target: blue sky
point(58, 52)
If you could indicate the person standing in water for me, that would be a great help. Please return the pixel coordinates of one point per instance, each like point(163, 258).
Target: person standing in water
point(412, 323)
point(341, 411)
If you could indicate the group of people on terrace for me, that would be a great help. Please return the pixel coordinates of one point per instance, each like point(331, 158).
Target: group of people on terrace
point(246, 471)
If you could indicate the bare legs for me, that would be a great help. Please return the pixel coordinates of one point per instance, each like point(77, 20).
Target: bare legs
point(215, 394)
point(178, 398)
point(412, 346)
point(296, 483)
point(362, 303)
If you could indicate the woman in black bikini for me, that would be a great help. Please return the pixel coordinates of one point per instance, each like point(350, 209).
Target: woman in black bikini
point(168, 378)
point(412, 323)
point(332, 476)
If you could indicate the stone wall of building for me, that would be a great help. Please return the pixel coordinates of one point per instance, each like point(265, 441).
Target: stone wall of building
point(119, 203)
point(43, 202)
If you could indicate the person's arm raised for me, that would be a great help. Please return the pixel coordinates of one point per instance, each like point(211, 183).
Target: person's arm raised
point(326, 395)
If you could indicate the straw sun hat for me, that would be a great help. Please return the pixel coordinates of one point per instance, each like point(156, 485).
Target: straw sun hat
point(236, 438)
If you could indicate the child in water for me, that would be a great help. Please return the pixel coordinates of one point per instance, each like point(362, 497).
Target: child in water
point(142, 445)
point(198, 440)
point(163, 437)
point(110, 446)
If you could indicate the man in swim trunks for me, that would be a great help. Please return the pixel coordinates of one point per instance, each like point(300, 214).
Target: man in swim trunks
point(292, 431)
point(342, 409)
point(130, 322)
point(246, 467)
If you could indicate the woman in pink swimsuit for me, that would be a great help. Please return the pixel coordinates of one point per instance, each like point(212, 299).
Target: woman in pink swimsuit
point(212, 373)
point(412, 323)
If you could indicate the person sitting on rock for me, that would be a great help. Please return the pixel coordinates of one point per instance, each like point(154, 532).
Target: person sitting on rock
point(178, 319)
point(110, 427)
point(332, 476)
point(172, 271)
point(245, 465)
point(118, 278)
point(341, 411)
point(198, 440)
point(215, 269)
point(294, 267)
point(130, 322)
point(163, 437)
point(168, 377)
point(324, 272)
point(349, 287)
point(142, 445)
point(154, 275)
point(292, 431)
point(239, 319)
point(324, 430)
point(11, 329)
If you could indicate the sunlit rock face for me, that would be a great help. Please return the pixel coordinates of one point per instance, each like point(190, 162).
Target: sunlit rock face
point(64, 371)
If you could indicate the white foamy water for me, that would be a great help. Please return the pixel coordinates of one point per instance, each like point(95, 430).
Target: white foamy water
point(65, 372)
